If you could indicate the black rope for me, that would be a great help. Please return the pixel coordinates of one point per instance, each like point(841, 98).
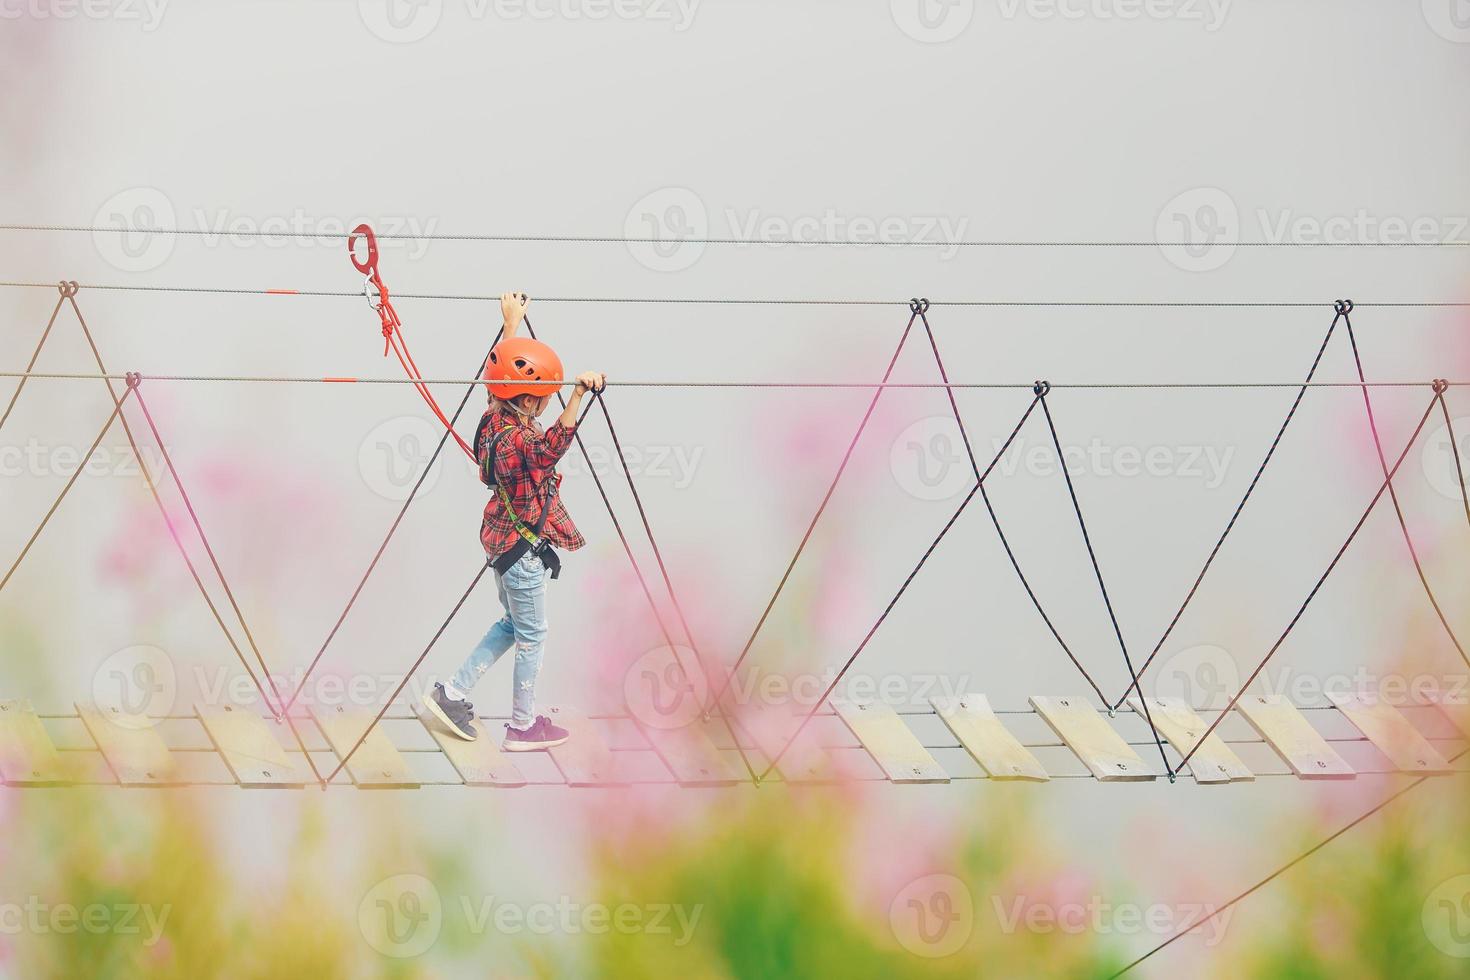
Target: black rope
point(1455, 452)
point(1239, 509)
point(393, 529)
point(69, 292)
point(65, 490)
point(812, 525)
point(901, 590)
point(633, 560)
point(1438, 394)
point(1393, 495)
point(1042, 389)
point(411, 671)
point(922, 307)
point(1217, 910)
point(30, 365)
point(208, 548)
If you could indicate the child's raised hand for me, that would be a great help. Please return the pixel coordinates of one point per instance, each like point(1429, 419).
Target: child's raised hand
point(513, 306)
point(593, 381)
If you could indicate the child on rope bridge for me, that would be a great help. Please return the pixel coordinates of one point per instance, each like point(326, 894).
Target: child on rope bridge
point(523, 522)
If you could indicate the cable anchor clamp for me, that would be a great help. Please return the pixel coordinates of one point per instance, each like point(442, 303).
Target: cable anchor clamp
point(1041, 388)
point(1343, 306)
point(133, 380)
point(68, 288)
point(1441, 385)
point(919, 306)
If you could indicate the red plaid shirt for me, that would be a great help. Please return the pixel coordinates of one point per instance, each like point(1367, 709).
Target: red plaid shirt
point(525, 464)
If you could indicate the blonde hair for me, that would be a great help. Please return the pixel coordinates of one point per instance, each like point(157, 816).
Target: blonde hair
point(512, 406)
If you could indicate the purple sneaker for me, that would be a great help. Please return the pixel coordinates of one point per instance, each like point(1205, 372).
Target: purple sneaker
point(541, 735)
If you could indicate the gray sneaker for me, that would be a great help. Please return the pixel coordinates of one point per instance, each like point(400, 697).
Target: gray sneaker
point(457, 716)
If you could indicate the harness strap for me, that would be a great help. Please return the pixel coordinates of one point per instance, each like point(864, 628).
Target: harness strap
point(530, 537)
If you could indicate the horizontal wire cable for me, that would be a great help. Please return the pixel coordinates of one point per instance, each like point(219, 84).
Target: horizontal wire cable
point(431, 236)
point(758, 301)
point(863, 385)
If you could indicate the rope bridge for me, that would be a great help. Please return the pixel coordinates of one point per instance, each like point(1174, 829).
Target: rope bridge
point(133, 752)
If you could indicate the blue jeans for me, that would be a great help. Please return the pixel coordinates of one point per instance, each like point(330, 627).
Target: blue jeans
point(523, 594)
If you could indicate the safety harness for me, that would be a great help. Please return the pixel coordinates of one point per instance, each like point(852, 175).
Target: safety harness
point(530, 539)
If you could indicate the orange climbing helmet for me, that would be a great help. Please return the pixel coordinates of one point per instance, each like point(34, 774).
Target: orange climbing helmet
point(518, 360)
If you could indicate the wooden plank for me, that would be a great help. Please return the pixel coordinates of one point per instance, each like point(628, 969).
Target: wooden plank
point(27, 757)
point(1213, 761)
point(376, 764)
point(997, 751)
point(890, 742)
point(479, 763)
point(252, 753)
point(691, 755)
point(1455, 708)
point(771, 728)
point(1101, 749)
point(1391, 733)
point(1287, 731)
point(584, 759)
point(133, 749)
